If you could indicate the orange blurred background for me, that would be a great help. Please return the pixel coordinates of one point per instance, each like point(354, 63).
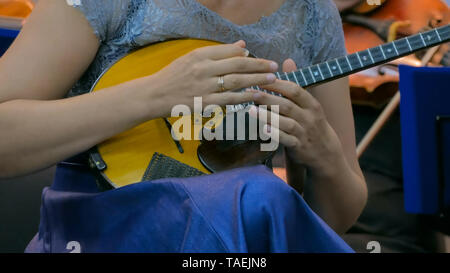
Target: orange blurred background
point(16, 8)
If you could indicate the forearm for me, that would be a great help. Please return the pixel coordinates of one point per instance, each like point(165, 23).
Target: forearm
point(296, 175)
point(35, 134)
point(337, 194)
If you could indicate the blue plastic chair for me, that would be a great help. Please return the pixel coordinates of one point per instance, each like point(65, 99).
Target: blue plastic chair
point(7, 36)
point(425, 128)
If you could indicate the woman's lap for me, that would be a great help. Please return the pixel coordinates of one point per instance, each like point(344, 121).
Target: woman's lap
point(243, 210)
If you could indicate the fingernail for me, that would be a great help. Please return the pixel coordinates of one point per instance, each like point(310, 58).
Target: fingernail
point(274, 66)
point(271, 77)
point(246, 52)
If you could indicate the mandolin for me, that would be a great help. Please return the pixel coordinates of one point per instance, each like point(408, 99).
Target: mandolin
point(149, 152)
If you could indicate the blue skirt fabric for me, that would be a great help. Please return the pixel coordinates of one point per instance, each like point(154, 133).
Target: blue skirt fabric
point(242, 210)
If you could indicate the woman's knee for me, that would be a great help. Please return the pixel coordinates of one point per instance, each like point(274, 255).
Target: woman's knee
point(263, 197)
point(270, 189)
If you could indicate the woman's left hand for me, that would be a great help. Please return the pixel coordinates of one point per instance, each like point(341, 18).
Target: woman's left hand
point(303, 127)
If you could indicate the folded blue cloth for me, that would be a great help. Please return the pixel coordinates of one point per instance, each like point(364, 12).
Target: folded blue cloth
point(242, 210)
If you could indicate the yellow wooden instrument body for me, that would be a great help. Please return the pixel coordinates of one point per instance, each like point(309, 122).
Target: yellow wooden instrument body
point(128, 154)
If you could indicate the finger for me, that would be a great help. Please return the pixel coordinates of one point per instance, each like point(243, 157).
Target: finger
point(293, 92)
point(289, 66)
point(219, 52)
point(286, 106)
point(229, 98)
point(279, 136)
point(286, 124)
point(243, 65)
point(239, 81)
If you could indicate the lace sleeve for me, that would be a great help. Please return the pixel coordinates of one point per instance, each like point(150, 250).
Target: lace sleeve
point(106, 17)
point(330, 42)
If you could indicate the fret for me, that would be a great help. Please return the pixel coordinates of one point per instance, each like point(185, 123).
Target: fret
point(410, 48)
point(396, 51)
point(308, 76)
point(430, 37)
point(279, 76)
point(314, 79)
point(339, 66)
point(326, 72)
point(389, 51)
point(316, 73)
point(287, 76)
point(303, 76)
point(295, 78)
point(444, 32)
point(402, 46)
point(331, 72)
point(371, 57)
point(346, 58)
point(359, 58)
point(415, 41)
point(344, 65)
point(377, 54)
point(384, 55)
point(439, 36)
point(366, 58)
point(423, 41)
point(336, 66)
point(300, 79)
point(353, 59)
point(320, 71)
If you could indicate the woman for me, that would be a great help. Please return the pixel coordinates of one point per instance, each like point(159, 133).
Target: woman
point(63, 48)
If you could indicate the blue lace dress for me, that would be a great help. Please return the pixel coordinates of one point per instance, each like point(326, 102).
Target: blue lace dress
point(242, 210)
point(308, 31)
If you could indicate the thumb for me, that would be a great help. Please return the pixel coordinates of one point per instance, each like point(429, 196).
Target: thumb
point(289, 66)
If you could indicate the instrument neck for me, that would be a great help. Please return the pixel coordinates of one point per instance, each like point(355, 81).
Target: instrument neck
point(353, 63)
point(350, 64)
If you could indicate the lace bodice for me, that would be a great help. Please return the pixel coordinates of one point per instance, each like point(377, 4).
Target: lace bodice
point(308, 31)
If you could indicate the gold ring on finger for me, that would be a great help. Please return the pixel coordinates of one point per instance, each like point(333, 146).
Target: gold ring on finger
point(221, 83)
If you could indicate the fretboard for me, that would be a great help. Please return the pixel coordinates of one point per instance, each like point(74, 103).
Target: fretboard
point(343, 66)
point(353, 63)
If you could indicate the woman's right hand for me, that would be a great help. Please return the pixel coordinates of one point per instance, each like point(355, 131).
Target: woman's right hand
point(197, 73)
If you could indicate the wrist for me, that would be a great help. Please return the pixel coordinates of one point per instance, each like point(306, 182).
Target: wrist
point(151, 99)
